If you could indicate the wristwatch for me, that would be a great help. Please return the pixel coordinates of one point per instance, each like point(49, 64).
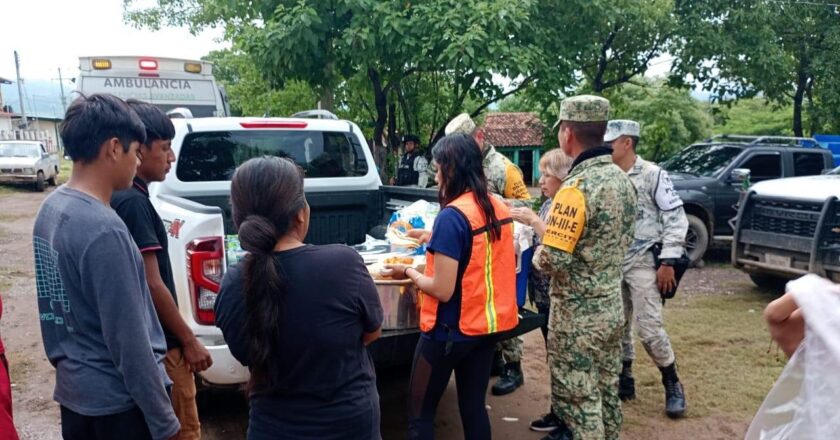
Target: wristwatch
point(668, 262)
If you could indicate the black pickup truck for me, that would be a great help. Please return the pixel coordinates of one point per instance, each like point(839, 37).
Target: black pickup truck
point(344, 191)
point(707, 177)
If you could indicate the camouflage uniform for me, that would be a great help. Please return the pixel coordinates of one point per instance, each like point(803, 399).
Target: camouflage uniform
point(586, 319)
point(660, 219)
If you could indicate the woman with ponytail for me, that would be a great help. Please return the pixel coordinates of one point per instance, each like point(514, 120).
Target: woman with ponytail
point(468, 292)
point(298, 316)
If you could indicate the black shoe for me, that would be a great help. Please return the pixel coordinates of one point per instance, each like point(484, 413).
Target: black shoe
point(546, 423)
point(509, 381)
point(674, 400)
point(561, 433)
point(498, 365)
point(674, 393)
point(626, 387)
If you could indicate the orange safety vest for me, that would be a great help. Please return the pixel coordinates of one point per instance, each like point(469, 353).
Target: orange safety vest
point(488, 286)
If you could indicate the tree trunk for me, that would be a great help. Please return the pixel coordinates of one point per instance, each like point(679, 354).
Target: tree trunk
point(381, 103)
point(327, 98)
point(799, 96)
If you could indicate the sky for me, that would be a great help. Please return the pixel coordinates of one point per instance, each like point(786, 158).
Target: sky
point(52, 34)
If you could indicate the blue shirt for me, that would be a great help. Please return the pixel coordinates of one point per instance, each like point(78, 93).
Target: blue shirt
point(98, 321)
point(451, 236)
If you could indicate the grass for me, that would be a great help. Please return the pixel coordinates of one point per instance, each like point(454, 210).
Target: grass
point(723, 358)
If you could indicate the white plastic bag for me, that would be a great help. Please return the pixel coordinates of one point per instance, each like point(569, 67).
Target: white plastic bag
point(804, 402)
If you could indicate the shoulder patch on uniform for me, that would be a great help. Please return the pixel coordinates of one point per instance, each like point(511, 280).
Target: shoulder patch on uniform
point(664, 194)
point(566, 219)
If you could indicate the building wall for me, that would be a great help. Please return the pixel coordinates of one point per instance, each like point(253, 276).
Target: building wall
point(5, 123)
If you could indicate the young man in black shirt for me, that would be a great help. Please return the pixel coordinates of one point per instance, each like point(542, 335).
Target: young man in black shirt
point(185, 354)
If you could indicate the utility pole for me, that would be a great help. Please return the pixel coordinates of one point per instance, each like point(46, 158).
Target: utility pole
point(63, 99)
point(20, 91)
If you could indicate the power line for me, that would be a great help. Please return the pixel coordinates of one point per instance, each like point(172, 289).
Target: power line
point(802, 2)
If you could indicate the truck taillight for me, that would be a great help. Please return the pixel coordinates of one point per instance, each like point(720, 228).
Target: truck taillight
point(205, 269)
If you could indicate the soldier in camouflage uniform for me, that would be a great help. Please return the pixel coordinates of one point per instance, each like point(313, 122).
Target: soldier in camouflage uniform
point(660, 220)
point(588, 232)
point(504, 179)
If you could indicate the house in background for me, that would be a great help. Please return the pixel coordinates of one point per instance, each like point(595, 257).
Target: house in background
point(5, 112)
point(42, 125)
point(520, 137)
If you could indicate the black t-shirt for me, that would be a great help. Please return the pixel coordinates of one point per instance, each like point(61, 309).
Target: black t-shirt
point(146, 228)
point(323, 371)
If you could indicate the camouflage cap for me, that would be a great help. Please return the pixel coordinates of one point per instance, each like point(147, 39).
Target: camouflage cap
point(462, 123)
point(621, 127)
point(584, 108)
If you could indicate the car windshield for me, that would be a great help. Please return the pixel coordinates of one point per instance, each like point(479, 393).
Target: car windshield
point(19, 150)
point(834, 172)
point(702, 160)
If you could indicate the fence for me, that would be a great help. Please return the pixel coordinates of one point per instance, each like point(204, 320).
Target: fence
point(30, 135)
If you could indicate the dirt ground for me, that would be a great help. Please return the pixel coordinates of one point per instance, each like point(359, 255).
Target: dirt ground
point(224, 413)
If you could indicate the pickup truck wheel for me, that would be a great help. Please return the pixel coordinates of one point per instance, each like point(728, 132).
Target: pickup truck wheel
point(769, 282)
point(696, 240)
point(40, 182)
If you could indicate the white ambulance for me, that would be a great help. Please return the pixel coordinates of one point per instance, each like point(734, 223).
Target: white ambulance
point(168, 83)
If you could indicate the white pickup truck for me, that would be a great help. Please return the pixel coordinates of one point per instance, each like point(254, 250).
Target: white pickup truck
point(343, 188)
point(787, 228)
point(28, 162)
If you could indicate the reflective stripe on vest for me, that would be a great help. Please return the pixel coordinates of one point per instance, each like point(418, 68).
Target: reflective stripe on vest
point(488, 285)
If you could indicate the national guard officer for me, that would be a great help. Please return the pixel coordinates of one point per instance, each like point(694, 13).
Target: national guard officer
point(588, 232)
point(661, 226)
point(412, 168)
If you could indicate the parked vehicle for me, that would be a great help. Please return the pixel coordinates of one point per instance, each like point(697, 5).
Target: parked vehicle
point(345, 195)
point(168, 83)
point(789, 227)
point(28, 162)
point(703, 176)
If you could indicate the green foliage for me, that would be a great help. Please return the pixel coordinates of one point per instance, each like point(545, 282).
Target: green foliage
point(784, 50)
point(251, 95)
point(754, 116)
point(670, 118)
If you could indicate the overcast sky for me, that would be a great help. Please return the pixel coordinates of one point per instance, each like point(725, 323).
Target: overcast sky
point(49, 34)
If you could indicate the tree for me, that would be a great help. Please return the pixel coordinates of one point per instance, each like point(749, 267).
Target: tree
point(755, 116)
point(783, 50)
point(671, 118)
point(458, 45)
point(250, 95)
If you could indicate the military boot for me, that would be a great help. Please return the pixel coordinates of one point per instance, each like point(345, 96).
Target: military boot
point(674, 394)
point(626, 382)
point(498, 364)
point(511, 379)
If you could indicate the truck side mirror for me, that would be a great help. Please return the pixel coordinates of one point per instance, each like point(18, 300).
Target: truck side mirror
point(739, 175)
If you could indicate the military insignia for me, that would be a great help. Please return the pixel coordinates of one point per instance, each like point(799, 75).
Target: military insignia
point(566, 220)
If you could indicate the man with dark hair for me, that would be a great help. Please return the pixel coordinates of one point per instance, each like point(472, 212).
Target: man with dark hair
point(412, 167)
point(589, 228)
point(98, 321)
point(184, 353)
point(659, 236)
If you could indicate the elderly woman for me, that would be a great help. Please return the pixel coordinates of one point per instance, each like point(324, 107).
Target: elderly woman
point(554, 166)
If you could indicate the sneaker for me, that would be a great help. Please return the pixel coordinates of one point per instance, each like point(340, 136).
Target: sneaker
point(546, 423)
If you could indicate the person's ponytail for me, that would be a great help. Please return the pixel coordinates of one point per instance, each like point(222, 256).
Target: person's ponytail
point(266, 196)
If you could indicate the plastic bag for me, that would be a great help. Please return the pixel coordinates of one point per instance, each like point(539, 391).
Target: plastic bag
point(418, 215)
point(803, 403)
